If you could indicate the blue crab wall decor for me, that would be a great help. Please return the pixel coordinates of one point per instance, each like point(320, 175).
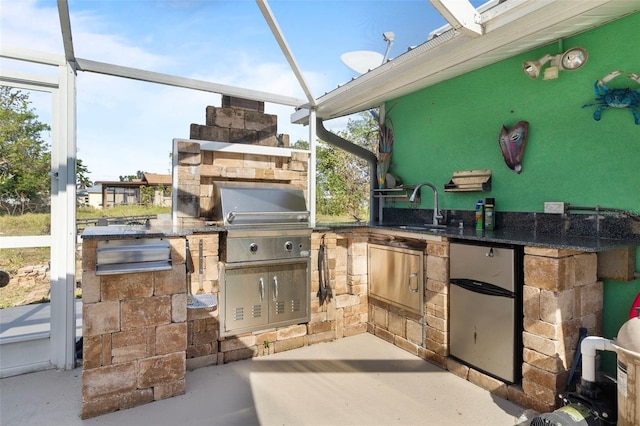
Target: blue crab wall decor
point(616, 98)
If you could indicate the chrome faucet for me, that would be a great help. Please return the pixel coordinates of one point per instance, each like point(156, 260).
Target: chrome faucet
point(436, 211)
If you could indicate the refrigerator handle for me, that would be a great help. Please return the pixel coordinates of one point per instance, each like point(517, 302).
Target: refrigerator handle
point(481, 287)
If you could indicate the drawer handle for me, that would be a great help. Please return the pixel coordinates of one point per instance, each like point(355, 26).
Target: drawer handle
point(413, 275)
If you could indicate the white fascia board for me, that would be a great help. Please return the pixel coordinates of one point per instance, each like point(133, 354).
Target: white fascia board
point(187, 83)
point(461, 15)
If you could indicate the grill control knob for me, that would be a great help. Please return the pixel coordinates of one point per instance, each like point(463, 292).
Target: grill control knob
point(288, 246)
point(253, 248)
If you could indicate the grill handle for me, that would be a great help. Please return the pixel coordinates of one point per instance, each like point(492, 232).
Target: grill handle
point(275, 288)
point(301, 215)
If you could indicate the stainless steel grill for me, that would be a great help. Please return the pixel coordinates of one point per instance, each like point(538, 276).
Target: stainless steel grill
point(265, 255)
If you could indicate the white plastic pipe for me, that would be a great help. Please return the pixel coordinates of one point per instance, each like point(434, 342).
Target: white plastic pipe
point(588, 347)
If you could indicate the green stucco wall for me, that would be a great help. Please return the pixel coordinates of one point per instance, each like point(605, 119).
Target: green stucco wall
point(569, 157)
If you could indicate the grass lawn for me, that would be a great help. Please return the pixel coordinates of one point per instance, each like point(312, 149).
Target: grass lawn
point(11, 260)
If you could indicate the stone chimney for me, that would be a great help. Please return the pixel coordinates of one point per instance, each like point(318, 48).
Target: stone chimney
point(239, 121)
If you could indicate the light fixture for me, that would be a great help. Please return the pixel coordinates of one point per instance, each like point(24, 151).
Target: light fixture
point(570, 60)
point(532, 68)
point(573, 59)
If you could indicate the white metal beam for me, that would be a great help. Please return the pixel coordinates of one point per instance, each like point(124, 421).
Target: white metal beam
point(312, 166)
point(34, 56)
point(187, 83)
point(284, 46)
point(461, 15)
point(28, 81)
point(63, 220)
point(65, 27)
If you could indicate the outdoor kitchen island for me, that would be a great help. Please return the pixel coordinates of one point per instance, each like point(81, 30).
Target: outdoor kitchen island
point(140, 338)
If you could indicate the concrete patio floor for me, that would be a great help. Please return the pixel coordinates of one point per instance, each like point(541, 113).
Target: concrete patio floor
point(359, 380)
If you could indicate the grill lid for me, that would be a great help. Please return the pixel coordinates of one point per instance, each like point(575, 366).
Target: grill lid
point(239, 204)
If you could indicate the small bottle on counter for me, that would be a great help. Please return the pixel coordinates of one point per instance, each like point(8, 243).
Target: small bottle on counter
point(489, 213)
point(479, 216)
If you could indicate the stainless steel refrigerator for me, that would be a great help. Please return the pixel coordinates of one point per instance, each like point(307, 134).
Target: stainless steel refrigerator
point(485, 308)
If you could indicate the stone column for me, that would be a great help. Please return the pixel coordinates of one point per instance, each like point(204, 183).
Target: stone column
point(437, 303)
point(134, 334)
point(354, 304)
point(561, 294)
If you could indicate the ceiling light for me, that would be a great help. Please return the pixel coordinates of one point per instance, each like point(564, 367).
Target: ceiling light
point(570, 60)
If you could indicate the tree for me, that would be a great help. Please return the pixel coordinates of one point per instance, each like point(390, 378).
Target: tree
point(342, 182)
point(25, 158)
point(82, 175)
point(130, 178)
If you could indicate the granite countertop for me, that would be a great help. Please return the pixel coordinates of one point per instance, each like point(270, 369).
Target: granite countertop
point(143, 231)
point(522, 237)
point(505, 236)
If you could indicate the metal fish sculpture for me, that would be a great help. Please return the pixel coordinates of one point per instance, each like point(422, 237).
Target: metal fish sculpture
point(512, 144)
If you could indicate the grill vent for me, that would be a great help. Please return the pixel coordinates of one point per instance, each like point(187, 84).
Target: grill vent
point(238, 314)
point(256, 311)
point(279, 307)
point(295, 305)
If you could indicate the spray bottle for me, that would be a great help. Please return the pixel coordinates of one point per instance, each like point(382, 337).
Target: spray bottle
point(479, 216)
point(489, 214)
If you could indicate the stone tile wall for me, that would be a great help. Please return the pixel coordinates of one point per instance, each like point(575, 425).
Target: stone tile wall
point(202, 323)
point(134, 335)
point(198, 170)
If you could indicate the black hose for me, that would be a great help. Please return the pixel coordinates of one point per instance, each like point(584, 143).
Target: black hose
point(324, 288)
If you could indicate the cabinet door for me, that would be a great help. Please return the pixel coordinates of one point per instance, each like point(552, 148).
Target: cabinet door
point(396, 276)
point(246, 297)
point(288, 293)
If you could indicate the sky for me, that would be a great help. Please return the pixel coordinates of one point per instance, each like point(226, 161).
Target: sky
point(124, 126)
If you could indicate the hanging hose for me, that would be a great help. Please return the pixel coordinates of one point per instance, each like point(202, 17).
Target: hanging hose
point(324, 289)
point(189, 269)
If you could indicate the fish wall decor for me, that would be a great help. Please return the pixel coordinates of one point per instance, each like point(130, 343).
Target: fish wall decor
point(512, 142)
